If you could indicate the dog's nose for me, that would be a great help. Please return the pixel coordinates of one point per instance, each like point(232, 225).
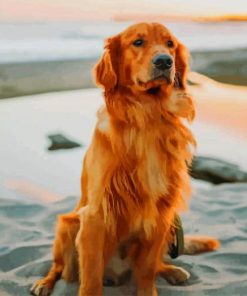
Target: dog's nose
point(162, 62)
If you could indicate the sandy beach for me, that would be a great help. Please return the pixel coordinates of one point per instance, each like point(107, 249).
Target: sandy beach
point(25, 253)
point(34, 183)
point(222, 105)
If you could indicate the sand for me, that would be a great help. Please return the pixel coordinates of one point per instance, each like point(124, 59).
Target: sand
point(221, 105)
point(34, 181)
point(25, 253)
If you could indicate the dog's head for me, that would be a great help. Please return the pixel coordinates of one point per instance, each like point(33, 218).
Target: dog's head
point(143, 57)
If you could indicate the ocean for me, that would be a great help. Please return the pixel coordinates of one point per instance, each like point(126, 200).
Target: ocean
point(25, 42)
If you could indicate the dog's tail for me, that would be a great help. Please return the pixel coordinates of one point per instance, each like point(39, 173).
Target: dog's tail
point(199, 244)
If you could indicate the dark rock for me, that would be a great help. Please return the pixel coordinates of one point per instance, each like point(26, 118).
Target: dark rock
point(216, 171)
point(58, 141)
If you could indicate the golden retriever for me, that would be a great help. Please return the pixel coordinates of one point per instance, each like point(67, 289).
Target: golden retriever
point(135, 172)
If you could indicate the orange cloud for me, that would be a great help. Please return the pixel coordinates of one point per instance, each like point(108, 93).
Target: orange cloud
point(29, 10)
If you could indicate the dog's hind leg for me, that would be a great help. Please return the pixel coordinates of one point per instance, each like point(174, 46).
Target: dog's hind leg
point(192, 245)
point(64, 256)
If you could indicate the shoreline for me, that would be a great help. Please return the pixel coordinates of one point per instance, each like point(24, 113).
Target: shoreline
point(20, 79)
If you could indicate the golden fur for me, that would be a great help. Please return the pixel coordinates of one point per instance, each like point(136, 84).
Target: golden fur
point(135, 172)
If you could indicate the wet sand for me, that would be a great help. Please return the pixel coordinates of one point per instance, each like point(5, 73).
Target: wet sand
point(222, 105)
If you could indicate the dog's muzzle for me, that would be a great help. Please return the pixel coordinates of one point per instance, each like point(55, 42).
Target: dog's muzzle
point(162, 67)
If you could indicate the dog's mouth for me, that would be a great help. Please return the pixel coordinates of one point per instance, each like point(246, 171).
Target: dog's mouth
point(157, 79)
point(162, 78)
point(153, 86)
point(154, 90)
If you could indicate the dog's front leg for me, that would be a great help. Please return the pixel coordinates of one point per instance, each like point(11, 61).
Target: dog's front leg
point(146, 261)
point(90, 245)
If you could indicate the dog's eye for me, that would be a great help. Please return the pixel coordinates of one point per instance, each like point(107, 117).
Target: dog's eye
point(170, 43)
point(138, 42)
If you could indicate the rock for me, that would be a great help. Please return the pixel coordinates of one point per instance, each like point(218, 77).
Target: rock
point(216, 171)
point(58, 141)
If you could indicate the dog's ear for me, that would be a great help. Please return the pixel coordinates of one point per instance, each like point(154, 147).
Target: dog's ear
point(106, 70)
point(181, 65)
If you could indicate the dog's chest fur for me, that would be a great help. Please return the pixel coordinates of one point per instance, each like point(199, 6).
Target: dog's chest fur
point(142, 177)
point(141, 157)
point(150, 161)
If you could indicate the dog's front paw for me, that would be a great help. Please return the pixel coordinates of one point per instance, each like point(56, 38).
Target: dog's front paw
point(174, 275)
point(40, 288)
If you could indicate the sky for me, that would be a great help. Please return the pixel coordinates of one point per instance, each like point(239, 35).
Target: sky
point(40, 10)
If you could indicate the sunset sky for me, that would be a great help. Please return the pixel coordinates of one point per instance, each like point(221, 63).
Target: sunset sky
point(39, 10)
